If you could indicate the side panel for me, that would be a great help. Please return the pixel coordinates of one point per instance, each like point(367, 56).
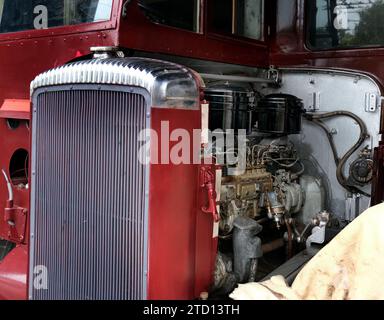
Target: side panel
point(174, 212)
point(13, 274)
point(139, 33)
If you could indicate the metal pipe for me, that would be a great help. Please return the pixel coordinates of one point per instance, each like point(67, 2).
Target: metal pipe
point(316, 118)
point(330, 138)
point(289, 244)
point(247, 79)
point(296, 175)
point(9, 186)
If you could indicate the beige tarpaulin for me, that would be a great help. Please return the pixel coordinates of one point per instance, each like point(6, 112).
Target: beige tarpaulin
point(351, 266)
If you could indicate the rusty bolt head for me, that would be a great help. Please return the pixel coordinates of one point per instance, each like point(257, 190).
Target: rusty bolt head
point(204, 296)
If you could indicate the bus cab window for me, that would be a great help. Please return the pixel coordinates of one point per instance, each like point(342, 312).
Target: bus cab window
point(182, 14)
point(333, 24)
point(242, 18)
point(21, 15)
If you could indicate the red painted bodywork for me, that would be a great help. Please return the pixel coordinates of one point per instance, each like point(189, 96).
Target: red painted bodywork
point(15, 109)
point(25, 54)
point(176, 222)
point(13, 274)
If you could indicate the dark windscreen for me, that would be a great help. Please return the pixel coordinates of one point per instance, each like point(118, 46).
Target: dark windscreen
point(19, 15)
point(183, 14)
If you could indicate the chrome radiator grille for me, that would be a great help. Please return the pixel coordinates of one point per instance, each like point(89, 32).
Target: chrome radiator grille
point(89, 194)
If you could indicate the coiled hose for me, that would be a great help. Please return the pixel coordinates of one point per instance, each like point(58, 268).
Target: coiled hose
point(340, 163)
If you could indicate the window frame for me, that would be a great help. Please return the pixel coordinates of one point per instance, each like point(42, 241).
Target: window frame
point(309, 47)
point(234, 37)
point(204, 29)
point(200, 21)
point(66, 29)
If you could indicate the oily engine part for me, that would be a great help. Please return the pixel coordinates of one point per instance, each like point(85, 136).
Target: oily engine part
point(246, 248)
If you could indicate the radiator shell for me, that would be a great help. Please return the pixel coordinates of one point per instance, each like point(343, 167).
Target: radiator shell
point(174, 252)
point(89, 200)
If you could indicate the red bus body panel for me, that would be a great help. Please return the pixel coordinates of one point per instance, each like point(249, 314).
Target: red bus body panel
point(176, 223)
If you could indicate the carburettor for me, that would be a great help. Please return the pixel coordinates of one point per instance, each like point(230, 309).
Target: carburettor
point(243, 195)
point(267, 186)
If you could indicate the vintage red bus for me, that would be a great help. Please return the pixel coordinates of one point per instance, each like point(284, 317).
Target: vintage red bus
point(296, 84)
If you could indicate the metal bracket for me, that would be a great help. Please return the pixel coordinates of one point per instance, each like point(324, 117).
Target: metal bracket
point(16, 217)
point(372, 102)
point(274, 74)
point(314, 101)
point(317, 236)
point(352, 207)
point(318, 232)
point(207, 182)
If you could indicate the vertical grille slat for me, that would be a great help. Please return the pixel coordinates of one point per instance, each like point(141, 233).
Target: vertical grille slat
point(89, 212)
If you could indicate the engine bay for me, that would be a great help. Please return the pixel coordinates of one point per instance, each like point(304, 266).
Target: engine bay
point(310, 138)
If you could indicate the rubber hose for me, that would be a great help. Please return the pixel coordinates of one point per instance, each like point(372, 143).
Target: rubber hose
point(316, 118)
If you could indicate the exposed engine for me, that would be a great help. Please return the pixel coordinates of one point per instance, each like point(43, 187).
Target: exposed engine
point(277, 183)
point(273, 203)
point(269, 185)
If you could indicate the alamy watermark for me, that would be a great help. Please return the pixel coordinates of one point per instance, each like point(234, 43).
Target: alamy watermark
point(40, 278)
point(341, 21)
point(180, 146)
point(41, 17)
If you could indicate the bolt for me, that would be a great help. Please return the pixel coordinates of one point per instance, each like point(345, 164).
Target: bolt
point(315, 222)
point(204, 296)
